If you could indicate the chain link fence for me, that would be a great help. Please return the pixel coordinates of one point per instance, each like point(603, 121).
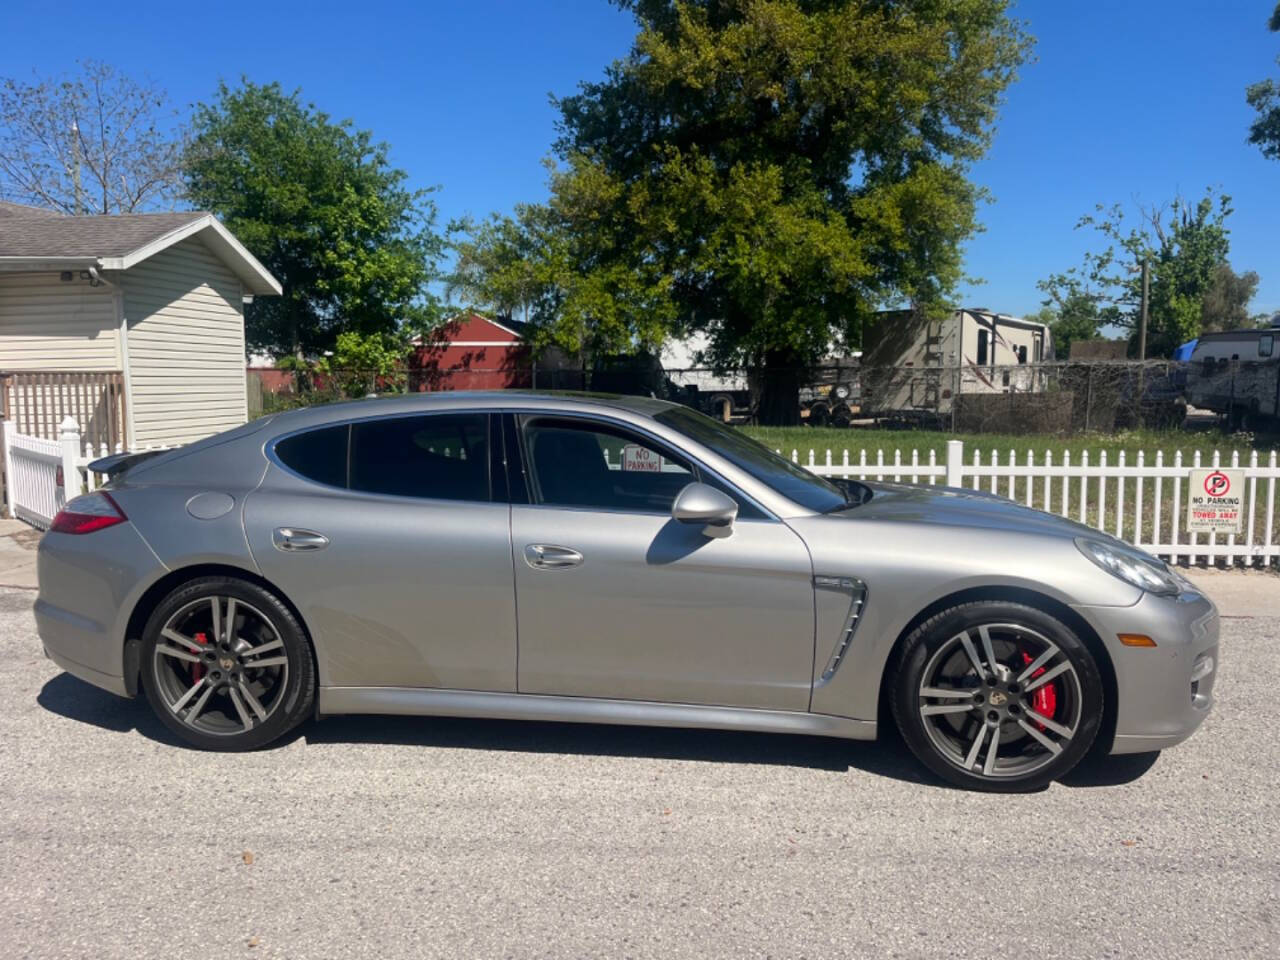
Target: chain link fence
point(1047, 398)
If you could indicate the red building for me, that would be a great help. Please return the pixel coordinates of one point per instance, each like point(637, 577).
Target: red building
point(471, 352)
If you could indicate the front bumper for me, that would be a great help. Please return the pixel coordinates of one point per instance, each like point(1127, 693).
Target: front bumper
point(88, 584)
point(1163, 692)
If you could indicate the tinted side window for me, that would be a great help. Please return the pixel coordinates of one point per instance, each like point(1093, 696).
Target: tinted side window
point(319, 455)
point(442, 457)
point(580, 464)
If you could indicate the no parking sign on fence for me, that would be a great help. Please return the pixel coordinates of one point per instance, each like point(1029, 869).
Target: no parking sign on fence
point(1215, 501)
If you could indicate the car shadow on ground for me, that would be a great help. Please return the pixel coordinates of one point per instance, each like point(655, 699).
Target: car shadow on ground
point(888, 757)
point(70, 697)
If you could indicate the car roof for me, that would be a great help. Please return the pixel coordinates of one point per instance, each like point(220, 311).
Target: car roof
point(189, 463)
point(408, 403)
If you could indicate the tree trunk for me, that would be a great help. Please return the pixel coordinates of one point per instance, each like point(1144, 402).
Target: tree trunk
point(779, 400)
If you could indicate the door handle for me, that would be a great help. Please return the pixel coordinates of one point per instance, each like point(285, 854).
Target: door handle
point(546, 556)
point(292, 539)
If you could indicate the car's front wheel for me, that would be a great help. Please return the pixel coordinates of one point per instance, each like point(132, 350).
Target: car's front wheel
point(226, 665)
point(997, 696)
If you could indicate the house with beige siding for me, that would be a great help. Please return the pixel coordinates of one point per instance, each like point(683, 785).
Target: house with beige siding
point(133, 324)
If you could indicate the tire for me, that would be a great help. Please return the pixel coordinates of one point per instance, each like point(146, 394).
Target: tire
point(1044, 726)
point(226, 665)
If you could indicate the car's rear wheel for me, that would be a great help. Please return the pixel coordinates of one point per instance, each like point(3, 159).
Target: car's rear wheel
point(226, 665)
point(997, 696)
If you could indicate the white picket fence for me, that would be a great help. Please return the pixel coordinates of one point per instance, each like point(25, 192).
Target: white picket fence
point(41, 475)
point(1134, 499)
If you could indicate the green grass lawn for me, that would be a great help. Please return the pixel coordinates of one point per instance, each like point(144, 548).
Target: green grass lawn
point(820, 439)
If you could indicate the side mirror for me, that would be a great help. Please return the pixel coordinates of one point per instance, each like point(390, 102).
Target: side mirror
point(700, 504)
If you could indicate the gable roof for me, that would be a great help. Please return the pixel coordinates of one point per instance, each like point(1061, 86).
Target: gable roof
point(441, 335)
point(35, 241)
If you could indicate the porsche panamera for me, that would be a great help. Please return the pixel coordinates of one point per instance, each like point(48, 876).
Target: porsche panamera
point(612, 560)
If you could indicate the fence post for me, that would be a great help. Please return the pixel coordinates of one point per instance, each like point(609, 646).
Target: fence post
point(6, 435)
point(955, 460)
point(955, 393)
point(1088, 398)
point(69, 438)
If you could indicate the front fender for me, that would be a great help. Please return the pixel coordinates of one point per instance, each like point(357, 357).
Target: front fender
point(908, 568)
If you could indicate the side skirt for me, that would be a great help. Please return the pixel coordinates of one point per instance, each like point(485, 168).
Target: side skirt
point(412, 701)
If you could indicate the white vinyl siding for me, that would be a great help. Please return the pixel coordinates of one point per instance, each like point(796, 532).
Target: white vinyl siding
point(186, 356)
point(50, 324)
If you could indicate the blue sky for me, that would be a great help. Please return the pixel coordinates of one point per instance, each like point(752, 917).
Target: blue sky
point(1126, 99)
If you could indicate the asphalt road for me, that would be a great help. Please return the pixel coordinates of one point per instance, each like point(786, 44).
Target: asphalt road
point(372, 837)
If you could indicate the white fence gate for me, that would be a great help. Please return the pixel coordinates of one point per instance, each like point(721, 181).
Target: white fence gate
point(32, 468)
point(39, 472)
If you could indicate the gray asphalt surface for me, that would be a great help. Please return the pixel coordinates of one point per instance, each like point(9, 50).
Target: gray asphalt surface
point(372, 837)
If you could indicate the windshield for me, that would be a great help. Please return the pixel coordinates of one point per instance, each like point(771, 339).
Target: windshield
point(793, 482)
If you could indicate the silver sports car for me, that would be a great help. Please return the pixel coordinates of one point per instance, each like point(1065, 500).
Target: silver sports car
point(613, 560)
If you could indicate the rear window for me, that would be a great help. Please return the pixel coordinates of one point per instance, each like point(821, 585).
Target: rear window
point(319, 455)
point(439, 457)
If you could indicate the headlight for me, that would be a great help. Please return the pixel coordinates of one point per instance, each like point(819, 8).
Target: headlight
point(842, 392)
point(1131, 566)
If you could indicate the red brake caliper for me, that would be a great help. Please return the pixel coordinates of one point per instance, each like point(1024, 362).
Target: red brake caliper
point(197, 669)
point(1044, 699)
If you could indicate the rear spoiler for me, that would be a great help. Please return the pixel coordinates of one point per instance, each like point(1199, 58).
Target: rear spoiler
point(117, 464)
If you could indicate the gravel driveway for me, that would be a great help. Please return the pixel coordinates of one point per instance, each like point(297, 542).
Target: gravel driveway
point(373, 837)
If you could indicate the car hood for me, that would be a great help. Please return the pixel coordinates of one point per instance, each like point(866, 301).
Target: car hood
point(958, 507)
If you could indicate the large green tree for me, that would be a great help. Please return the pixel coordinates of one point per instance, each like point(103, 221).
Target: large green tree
point(771, 172)
point(1264, 97)
point(1192, 286)
point(564, 267)
point(319, 203)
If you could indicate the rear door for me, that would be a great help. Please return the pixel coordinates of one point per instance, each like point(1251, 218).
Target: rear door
point(393, 539)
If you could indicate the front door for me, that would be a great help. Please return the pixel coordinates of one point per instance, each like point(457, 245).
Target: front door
point(390, 538)
point(615, 599)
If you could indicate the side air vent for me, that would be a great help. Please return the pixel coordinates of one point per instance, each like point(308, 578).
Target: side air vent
point(856, 591)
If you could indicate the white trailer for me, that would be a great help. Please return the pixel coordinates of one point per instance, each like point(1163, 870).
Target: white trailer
point(916, 365)
point(724, 397)
point(1237, 373)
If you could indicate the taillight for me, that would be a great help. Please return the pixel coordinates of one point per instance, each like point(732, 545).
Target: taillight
point(86, 514)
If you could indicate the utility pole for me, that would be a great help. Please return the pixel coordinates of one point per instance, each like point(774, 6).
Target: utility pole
point(1146, 299)
point(75, 167)
point(1142, 338)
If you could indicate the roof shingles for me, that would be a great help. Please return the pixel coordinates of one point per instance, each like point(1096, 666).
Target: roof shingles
point(38, 235)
